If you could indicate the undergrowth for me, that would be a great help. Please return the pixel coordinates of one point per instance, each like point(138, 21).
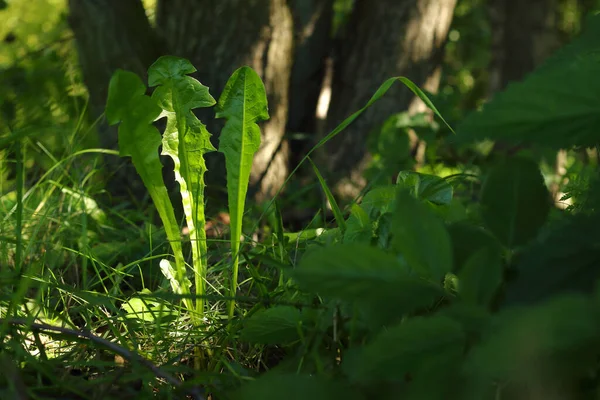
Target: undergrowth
point(467, 283)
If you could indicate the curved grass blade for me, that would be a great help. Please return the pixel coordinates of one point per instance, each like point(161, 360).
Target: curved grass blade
point(381, 91)
point(337, 213)
point(243, 103)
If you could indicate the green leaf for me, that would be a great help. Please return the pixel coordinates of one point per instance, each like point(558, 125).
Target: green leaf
point(481, 276)
point(560, 335)
point(140, 140)
point(276, 325)
point(146, 309)
point(273, 385)
point(468, 239)
point(379, 201)
point(361, 273)
point(243, 103)
point(337, 213)
point(565, 260)
point(515, 201)
point(426, 187)
point(421, 237)
point(557, 105)
point(186, 140)
point(359, 228)
point(170, 273)
point(409, 347)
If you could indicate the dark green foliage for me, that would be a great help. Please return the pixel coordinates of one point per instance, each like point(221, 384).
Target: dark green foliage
point(426, 288)
point(421, 237)
point(514, 201)
point(555, 106)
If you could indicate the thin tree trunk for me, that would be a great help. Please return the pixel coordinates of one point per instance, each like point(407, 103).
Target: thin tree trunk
point(385, 38)
point(112, 34)
point(218, 36)
point(312, 40)
point(524, 35)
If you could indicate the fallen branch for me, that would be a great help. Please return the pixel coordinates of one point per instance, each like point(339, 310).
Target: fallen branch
point(115, 348)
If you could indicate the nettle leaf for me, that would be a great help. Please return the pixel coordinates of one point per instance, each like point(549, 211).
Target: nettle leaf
point(407, 348)
point(140, 140)
point(359, 227)
point(481, 276)
point(426, 187)
point(521, 342)
point(515, 201)
point(243, 103)
point(276, 325)
point(358, 272)
point(558, 105)
point(274, 385)
point(421, 237)
point(565, 259)
point(185, 140)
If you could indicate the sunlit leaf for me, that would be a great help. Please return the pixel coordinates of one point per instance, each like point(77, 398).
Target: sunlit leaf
point(140, 140)
point(243, 103)
point(186, 140)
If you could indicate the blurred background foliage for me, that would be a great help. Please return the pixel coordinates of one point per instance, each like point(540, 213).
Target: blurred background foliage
point(44, 103)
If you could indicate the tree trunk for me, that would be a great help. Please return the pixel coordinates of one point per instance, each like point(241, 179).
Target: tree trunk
point(385, 38)
point(218, 36)
point(524, 35)
point(112, 34)
point(312, 38)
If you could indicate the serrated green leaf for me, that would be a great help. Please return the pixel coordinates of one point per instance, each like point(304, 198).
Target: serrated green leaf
point(557, 105)
point(276, 325)
point(421, 237)
point(409, 347)
point(564, 260)
point(515, 201)
point(357, 272)
point(167, 69)
point(481, 276)
point(272, 386)
point(561, 334)
point(186, 140)
point(426, 187)
point(243, 103)
point(140, 140)
point(359, 228)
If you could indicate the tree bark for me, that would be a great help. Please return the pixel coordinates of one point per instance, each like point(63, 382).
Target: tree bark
point(112, 34)
point(385, 38)
point(524, 35)
point(312, 39)
point(218, 36)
